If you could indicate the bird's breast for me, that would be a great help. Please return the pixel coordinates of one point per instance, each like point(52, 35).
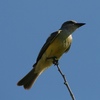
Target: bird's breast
point(58, 46)
point(55, 49)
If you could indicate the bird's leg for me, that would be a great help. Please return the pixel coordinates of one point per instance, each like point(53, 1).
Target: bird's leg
point(55, 60)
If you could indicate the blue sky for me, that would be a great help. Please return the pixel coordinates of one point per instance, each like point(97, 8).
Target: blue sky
point(25, 26)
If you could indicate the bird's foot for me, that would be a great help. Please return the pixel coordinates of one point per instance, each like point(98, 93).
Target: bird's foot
point(55, 60)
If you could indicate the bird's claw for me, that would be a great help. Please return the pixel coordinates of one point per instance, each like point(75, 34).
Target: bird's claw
point(55, 60)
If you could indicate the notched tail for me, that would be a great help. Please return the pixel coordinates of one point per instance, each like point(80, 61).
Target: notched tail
point(29, 79)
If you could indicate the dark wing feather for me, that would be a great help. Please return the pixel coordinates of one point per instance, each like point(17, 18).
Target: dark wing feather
point(50, 39)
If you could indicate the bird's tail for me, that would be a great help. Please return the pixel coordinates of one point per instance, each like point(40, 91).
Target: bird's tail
point(29, 79)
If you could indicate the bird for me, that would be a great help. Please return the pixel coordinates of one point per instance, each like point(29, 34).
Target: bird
point(58, 43)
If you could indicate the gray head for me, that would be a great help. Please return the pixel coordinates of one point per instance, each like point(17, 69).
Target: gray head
point(71, 25)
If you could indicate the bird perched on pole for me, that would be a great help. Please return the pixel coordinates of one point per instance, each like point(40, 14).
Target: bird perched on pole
point(56, 45)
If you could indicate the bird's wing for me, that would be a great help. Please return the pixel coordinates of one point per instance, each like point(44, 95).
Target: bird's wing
point(50, 39)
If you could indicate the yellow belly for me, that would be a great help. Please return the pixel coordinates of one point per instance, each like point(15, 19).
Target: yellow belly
point(58, 47)
point(55, 49)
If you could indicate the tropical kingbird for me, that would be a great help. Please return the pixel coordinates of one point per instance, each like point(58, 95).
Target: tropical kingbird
point(56, 45)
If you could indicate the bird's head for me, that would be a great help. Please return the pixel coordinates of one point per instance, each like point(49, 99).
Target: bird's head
point(71, 25)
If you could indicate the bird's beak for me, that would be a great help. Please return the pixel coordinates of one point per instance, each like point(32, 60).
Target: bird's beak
point(80, 24)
